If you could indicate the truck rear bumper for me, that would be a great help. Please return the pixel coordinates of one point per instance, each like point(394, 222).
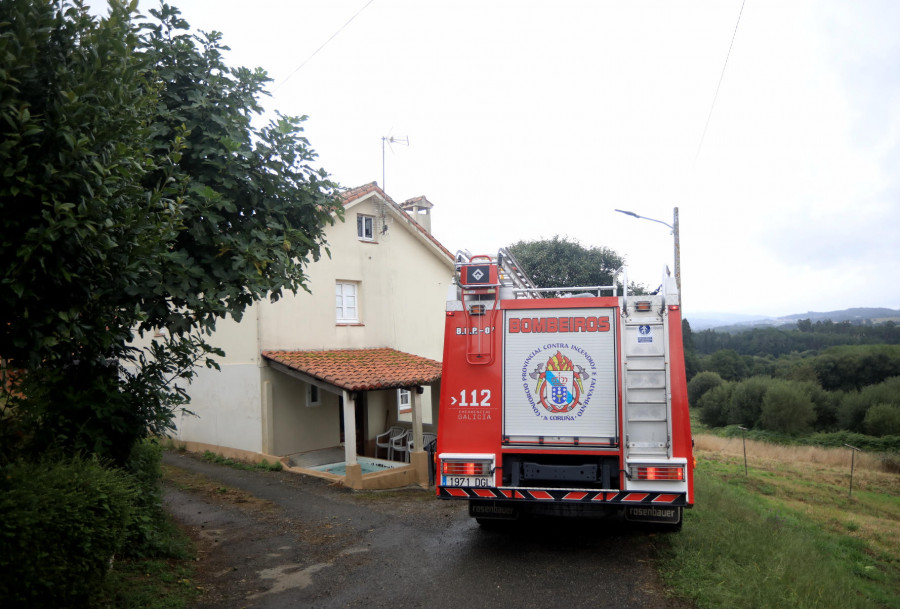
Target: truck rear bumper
point(557, 495)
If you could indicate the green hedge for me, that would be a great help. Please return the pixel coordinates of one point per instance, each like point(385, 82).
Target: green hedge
point(61, 524)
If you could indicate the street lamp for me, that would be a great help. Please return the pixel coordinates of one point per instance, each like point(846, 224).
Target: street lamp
point(674, 228)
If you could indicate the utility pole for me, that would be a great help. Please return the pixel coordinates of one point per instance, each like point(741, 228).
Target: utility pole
point(674, 228)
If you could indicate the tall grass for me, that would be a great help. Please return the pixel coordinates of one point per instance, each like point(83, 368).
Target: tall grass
point(786, 535)
point(765, 451)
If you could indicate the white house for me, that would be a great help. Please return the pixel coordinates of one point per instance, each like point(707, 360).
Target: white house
point(342, 364)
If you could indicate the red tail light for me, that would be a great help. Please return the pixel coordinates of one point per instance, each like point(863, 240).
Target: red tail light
point(466, 468)
point(661, 472)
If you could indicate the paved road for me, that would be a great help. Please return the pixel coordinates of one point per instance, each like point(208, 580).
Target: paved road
point(280, 540)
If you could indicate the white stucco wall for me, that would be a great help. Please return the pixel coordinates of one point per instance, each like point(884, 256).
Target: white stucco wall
point(402, 287)
point(297, 427)
point(227, 411)
point(401, 294)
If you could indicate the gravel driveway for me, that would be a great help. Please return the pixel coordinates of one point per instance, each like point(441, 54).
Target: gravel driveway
point(282, 540)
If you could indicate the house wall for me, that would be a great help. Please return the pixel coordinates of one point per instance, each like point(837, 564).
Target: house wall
point(226, 407)
point(402, 288)
point(295, 426)
point(402, 292)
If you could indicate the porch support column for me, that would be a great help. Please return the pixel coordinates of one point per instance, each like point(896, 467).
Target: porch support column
point(417, 419)
point(418, 458)
point(349, 429)
point(353, 476)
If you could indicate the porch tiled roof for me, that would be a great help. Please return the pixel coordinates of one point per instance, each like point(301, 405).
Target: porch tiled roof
point(361, 369)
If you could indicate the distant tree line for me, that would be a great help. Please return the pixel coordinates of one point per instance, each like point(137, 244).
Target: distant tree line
point(804, 336)
point(822, 377)
point(796, 407)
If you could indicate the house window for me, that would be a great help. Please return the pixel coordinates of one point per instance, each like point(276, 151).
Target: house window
point(345, 302)
point(365, 227)
point(404, 401)
point(313, 396)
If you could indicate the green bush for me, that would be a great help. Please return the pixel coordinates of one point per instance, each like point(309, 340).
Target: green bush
point(745, 405)
point(883, 420)
point(852, 411)
point(700, 384)
point(787, 408)
point(61, 524)
point(714, 405)
point(150, 533)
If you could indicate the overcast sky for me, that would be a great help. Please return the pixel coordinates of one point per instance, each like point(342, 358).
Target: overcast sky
point(531, 119)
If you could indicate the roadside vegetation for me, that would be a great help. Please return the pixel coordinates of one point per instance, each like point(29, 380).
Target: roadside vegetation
point(842, 388)
point(81, 532)
point(788, 533)
point(263, 465)
point(141, 204)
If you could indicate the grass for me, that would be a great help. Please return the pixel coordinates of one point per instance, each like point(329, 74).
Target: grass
point(153, 583)
point(788, 534)
point(263, 465)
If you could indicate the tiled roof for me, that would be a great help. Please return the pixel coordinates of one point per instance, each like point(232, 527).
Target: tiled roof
point(361, 369)
point(360, 191)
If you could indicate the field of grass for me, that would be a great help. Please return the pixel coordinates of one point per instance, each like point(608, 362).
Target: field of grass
point(787, 534)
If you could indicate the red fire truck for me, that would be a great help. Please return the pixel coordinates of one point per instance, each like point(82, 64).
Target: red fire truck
point(562, 401)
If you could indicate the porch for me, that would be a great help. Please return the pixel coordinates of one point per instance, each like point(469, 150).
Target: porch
point(354, 377)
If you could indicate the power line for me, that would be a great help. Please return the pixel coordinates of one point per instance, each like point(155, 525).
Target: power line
point(340, 29)
point(721, 77)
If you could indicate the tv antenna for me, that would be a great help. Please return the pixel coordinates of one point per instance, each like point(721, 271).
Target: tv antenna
point(389, 140)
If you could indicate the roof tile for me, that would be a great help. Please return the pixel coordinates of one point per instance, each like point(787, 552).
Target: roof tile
point(361, 369)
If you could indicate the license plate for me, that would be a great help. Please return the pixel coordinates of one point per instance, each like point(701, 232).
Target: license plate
point(476, 481)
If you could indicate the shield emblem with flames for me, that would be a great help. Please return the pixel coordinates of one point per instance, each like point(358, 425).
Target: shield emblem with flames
point(559, 386)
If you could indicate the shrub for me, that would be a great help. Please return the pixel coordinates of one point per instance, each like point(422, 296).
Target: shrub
point(825, 404)
point(61, 523)
point(853, 408)
point(700, 384)
point(728, 364)
point(787, 408)
point(746, 401)
point(149, 534)
point(714, 405)
point(883, 420)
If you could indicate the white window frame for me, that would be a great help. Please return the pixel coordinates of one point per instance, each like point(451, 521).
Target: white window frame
point(313, 395)
point(365, 227)
point(345, 312)
point(404, 401)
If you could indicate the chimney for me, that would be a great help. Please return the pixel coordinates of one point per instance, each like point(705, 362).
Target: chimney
point(420, 210)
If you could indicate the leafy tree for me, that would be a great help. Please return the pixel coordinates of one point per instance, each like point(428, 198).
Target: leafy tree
point(136, 195)
point(728, 364)
point(787, 409)
point(700, 384)
point(855, 367)
point(714, 405)
point(691, 359)
point(559, 262)
point(883, 420)
point(746, 401)
point(855, 405)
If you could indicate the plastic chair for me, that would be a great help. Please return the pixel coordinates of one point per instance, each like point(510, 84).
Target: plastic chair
point(385, 440)
point(402, 444)
point(427, 438)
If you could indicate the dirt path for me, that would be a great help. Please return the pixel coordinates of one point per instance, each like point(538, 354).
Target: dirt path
point(280, 540)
